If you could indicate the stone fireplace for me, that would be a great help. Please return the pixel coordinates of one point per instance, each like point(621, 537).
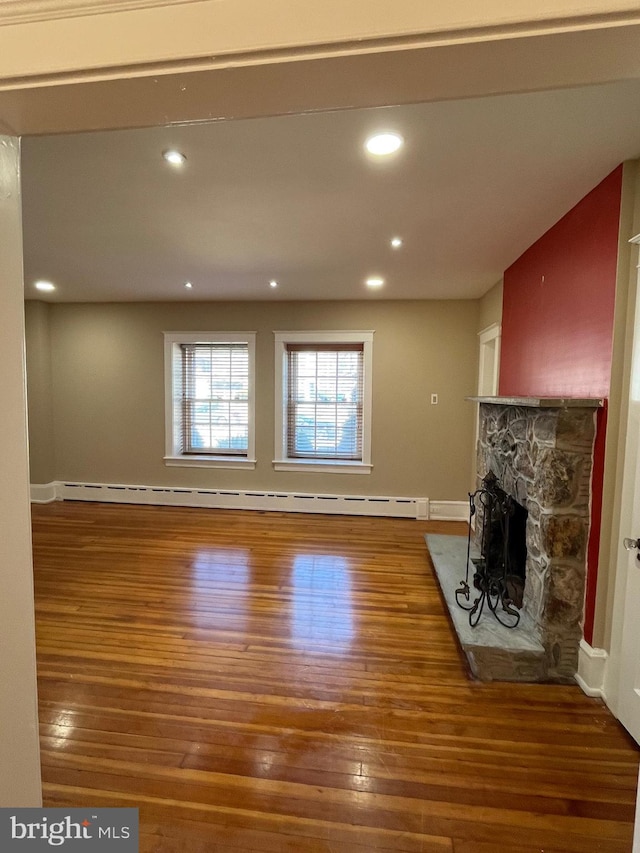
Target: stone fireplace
point(541, 452)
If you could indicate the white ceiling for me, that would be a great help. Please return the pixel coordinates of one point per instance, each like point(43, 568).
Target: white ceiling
point(295, 199)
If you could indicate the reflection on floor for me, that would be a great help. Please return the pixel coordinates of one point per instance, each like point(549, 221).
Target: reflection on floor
point(322, 609)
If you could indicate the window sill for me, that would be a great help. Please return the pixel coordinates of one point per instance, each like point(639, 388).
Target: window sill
point(324, 466)
point(209, 462)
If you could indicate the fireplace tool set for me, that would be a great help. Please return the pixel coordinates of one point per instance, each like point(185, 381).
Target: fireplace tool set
point(496, 580)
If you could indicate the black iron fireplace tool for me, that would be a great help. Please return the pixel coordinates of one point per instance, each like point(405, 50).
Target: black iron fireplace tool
point(495, 582)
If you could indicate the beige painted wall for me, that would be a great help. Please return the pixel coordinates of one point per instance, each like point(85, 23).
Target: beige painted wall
point(108, 404)
point(39, 398)
point(19, 754)
point(490, 307)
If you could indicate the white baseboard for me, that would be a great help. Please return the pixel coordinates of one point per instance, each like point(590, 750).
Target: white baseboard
point(396, 507)
point(592, 664)
point(44, 493)
point(255, 499)
point(449, 510)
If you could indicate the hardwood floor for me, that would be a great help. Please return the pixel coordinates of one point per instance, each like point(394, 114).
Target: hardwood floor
point(267, 682)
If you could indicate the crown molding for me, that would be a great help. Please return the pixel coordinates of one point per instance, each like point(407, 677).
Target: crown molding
point(30, 11)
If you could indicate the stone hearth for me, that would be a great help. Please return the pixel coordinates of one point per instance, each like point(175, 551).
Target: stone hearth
point(541, 452)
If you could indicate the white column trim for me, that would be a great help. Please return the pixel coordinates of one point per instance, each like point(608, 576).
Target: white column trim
point(448, 510)
point(44, 493)
point(592, 665)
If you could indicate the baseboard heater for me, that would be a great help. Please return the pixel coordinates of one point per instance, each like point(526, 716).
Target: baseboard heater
point(254, 499)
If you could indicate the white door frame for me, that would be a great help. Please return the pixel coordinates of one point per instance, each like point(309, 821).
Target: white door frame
point(625, 520)
point(489, 361)
point(488, 373)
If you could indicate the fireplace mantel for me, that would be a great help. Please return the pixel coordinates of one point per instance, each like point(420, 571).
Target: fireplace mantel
point(542, 402)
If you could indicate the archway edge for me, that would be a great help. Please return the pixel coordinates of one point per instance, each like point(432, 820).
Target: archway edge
point(182, 61)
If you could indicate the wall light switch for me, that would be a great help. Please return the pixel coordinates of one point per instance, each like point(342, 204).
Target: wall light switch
point(434, 399)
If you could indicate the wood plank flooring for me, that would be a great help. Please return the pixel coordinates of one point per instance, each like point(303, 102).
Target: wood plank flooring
point(270, 682)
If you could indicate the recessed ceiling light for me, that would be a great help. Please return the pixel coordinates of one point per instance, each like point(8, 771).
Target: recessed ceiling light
point(396, 242)
point(176, 158)
point(188, 285)
point(375, 281)
point(382, 144)
point(45, 285)
point(273, 283)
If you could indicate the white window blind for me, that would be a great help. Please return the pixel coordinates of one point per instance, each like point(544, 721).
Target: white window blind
point(215, 398)
point(324, 401)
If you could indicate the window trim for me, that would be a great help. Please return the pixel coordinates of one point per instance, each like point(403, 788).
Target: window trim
point(173, 457)
point(281, 461)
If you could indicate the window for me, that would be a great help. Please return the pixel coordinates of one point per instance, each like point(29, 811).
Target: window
point(323, 401)
point(210, 399)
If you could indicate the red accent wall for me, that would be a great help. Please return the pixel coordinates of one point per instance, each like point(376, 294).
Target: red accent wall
point(557, 325)
point(557, 322)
